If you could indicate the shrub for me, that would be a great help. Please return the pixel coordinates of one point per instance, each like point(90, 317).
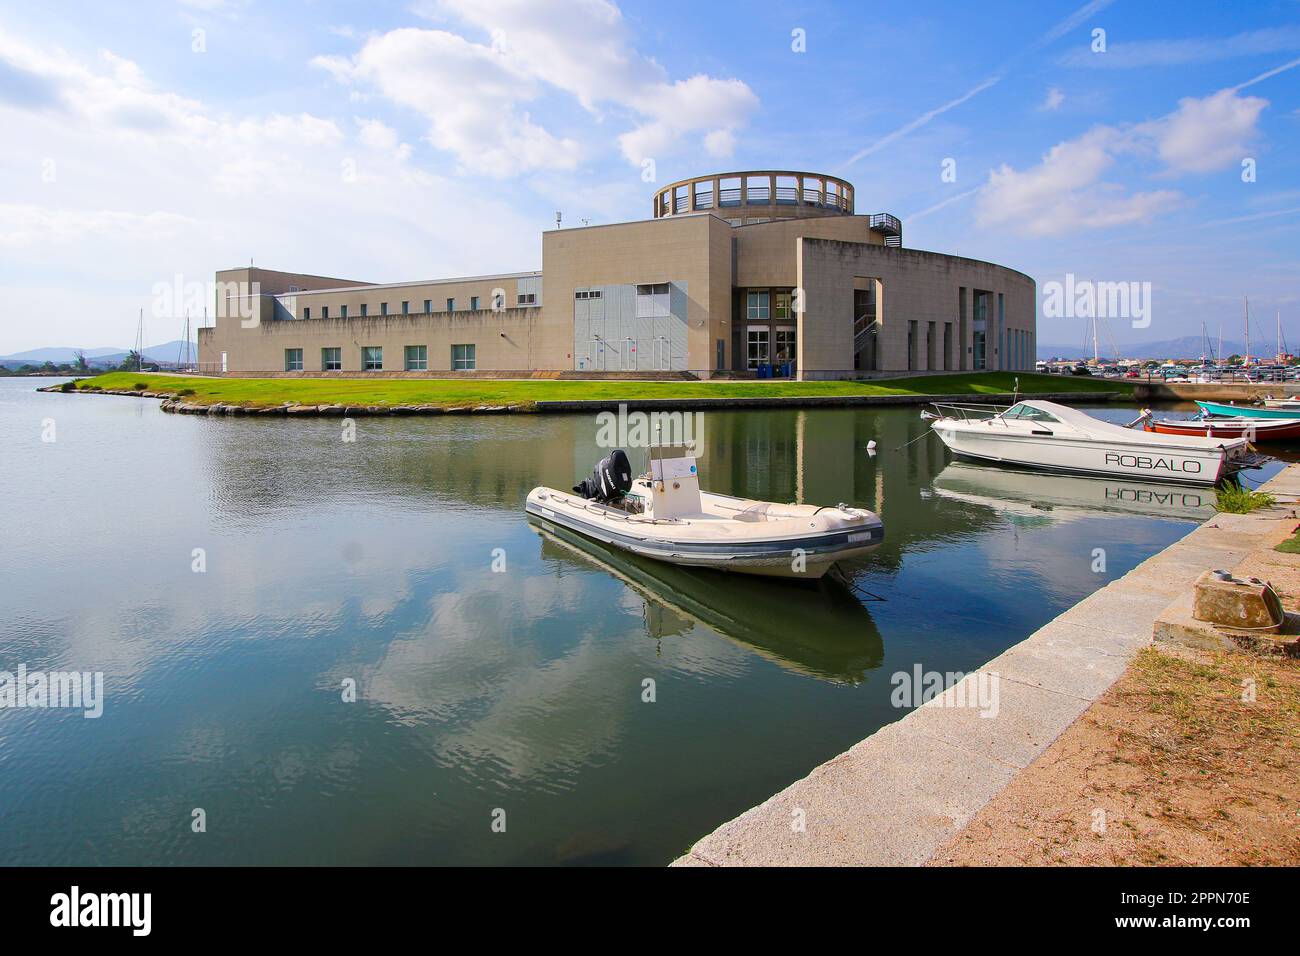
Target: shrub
point(1239, 500)
point(140, 386)
point(185, 393)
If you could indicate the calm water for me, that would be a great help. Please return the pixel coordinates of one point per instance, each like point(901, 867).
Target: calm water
point(372, 561)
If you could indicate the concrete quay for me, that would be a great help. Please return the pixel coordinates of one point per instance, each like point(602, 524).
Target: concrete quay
point(900, 795)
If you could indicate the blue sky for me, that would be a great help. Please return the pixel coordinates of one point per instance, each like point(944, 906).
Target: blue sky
point(389, 141)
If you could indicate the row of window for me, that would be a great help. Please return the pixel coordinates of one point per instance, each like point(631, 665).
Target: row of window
point(415, 358)
point(765, 305)
point(524, 298)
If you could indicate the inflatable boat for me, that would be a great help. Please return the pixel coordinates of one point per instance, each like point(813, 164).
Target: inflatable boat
point(663, 514)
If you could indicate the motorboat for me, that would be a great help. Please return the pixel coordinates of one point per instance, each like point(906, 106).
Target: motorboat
point(1251, 429)
point(663, 514)
point(1051, 437)
point(1228, 410)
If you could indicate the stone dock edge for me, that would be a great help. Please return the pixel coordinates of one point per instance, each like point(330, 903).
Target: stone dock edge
point(899, 796)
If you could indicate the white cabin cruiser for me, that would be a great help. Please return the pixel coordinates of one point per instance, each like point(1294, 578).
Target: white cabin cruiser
point(1052, 437)
point(664, 515)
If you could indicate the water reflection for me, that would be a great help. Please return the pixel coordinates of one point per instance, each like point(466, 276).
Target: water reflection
point(1068, 498)
point(372, 561)
point(820, 630)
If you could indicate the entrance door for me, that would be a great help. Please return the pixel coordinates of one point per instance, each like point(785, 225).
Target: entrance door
point(223, 361)
point(628, 363)
point(596, 355)
point(662, 357)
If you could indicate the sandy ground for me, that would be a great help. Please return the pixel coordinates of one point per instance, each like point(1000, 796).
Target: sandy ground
point(1173, 765)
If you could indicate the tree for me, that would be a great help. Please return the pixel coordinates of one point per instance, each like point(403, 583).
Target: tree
point(80, 362)
point(131, 363)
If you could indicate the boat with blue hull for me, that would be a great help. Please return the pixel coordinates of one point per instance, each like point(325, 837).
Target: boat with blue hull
point(1228, 410)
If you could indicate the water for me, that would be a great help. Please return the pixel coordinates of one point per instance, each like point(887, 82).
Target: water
point(477, 691)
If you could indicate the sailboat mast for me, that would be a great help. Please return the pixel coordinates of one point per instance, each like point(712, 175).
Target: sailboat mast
point(1246, 311)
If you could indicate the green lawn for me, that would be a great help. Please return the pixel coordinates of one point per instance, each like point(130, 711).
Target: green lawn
point(478, 391)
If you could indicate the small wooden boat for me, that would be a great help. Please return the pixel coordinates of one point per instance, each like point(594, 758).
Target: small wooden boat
point(664, 515)
point(1251, 429)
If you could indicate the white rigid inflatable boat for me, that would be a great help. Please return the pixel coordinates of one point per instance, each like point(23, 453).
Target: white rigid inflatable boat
point(1052, 437)
point(664, 515)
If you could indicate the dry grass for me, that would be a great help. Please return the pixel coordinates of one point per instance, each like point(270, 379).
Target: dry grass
point(1173, 765)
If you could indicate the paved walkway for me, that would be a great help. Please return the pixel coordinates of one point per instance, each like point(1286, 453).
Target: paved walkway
point(899, 796)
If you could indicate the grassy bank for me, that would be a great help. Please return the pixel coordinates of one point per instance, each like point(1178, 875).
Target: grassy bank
point(264, 392)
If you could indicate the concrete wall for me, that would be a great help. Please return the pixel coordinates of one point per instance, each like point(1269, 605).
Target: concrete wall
point(502, 340)
point(692, 252)
point(915, 287)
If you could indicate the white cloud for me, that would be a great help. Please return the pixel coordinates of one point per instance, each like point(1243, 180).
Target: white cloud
point(1207, 134)
point(115, 184)
point(475, 94)
point(1066, 190)
point(1055, 97)
point(469, 94)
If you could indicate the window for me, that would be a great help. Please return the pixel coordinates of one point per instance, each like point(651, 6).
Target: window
point(406, 307)
point(428, 306)
point(527, 298)
point(786, 343)
point(417, 358)
point(781, 307)
point(757, 348)
point(306, 313)
point(462, 357)
point(1028, 412)
point(324, 311)
point(652, 301)
point(383, 308)
point(293, 360)
point(587, 294)
point(331, 360)
point(364, 310)
point(451, 305)
point(343, 311)
point(473, 303)
point(372, 358)
point(757, 306)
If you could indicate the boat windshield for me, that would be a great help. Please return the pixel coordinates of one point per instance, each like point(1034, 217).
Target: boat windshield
point(1029, 413)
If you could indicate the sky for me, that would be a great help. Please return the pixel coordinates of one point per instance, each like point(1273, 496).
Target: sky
point(148, 145)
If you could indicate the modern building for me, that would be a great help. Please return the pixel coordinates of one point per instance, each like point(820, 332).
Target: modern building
point(735, 274)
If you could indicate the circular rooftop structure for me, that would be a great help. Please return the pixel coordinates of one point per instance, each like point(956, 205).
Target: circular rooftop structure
point(757, 194)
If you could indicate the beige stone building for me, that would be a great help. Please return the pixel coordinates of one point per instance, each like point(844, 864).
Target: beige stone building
point(748, 273)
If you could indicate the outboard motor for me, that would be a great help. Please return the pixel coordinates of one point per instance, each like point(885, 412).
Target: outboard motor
point(612, 478)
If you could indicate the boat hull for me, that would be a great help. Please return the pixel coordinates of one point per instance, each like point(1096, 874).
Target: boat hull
point(1081, 457)
point(1252, 429)
point(1222, 410)
point(803, 556)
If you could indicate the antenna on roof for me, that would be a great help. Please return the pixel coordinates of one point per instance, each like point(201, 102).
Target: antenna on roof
point(558, 217)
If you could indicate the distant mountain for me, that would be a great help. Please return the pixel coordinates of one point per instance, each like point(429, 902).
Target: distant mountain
point(1188, 347)
point(99, 358)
